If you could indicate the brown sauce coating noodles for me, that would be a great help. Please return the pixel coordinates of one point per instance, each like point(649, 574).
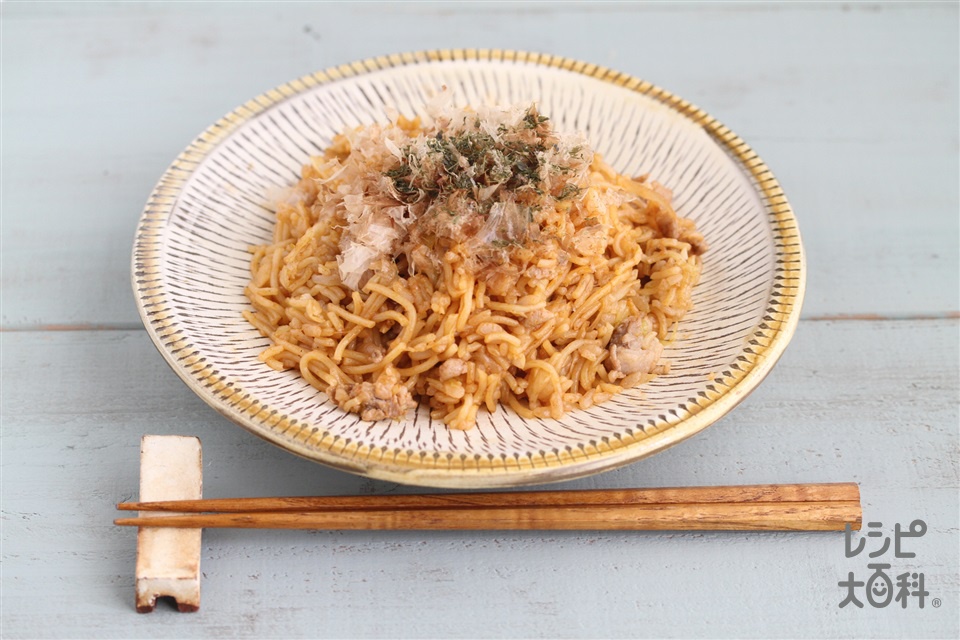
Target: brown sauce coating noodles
point(561, 304)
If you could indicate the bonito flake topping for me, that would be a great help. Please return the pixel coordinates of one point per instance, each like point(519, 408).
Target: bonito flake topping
point(479, 177)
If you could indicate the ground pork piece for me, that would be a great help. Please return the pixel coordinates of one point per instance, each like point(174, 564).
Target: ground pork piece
point(698, 246)
point(536, 318)
point(501, 280)
point(384, 398)
point(631, 351)
point(667, 223)
point(422, 290)
point(590, 241)
point(452, 368)
point(672, 226)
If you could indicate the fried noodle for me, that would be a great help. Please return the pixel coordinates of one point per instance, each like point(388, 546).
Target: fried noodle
point(475, 259)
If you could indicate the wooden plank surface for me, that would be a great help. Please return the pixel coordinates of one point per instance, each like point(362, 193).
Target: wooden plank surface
point(854, 106)
point(869, 401)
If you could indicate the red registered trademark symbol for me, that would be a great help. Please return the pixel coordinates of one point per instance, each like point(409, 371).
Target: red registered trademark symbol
point(936, 602)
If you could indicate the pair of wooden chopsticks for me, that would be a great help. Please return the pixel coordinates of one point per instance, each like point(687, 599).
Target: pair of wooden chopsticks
point(792, 507)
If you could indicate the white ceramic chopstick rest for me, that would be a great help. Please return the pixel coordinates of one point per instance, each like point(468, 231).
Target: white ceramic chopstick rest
point(168, 560)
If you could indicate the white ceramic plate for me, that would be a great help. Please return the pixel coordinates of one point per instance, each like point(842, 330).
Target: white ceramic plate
point(190, 266)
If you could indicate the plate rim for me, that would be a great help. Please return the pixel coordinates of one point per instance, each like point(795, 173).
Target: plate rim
point(776, 328)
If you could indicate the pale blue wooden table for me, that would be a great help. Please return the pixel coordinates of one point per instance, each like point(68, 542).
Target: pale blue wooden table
point(854, 107)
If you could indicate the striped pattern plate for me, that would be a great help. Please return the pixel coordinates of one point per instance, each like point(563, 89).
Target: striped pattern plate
point(190, 265)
